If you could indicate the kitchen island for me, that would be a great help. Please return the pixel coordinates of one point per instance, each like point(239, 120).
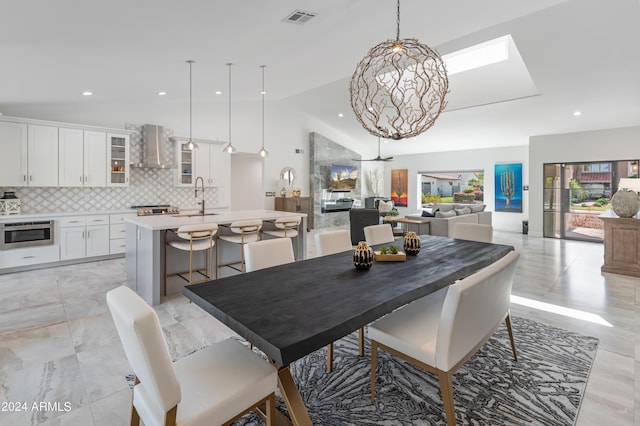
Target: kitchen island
point(145, 248)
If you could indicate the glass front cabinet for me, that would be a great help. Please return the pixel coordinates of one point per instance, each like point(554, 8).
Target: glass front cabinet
point(185, 164)
point(118, 152)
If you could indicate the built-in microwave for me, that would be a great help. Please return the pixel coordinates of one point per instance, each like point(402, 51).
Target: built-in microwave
point(26, 234)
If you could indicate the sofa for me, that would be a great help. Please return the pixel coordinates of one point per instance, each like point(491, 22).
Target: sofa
point(446, 215)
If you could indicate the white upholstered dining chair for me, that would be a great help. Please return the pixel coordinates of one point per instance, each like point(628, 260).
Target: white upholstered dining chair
point(267, 253)
point(193, 238)
point(378, 234)
point(441, 331)
point(212, 386)
point(473, 232)
point(332, 242)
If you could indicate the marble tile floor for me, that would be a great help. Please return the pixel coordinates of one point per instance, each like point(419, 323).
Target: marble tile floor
point(58, 345)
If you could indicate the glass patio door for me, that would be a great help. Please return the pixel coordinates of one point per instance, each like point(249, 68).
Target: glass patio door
point(575, 194)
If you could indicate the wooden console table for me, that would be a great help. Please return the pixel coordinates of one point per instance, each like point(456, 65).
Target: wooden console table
point(621, 245)
point(296, 205)
point(419, 225)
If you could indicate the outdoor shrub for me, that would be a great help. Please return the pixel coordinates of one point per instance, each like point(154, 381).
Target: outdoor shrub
point(461, 197)
point(478, 195)
point(468, 190)
point(430, 198)
point(600, 202)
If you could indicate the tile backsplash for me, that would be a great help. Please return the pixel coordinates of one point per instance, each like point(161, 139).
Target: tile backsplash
point(146, 186)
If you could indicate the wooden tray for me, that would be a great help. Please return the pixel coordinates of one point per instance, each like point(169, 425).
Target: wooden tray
point(399, 257)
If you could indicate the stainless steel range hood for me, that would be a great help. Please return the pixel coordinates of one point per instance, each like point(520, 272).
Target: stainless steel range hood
point(156, 152)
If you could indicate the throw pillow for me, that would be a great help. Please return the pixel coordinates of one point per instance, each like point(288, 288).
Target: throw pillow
point(442, 214)
point(464, 210)
point(385, 206)
point(445, 207)
point(477, 208)
point(429, 214)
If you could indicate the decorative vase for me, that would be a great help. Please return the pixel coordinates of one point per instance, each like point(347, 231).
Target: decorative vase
point(283, 192)
point(9, 204)
point(411, 243)
point(625, 203)
point(363, 256)
point(297, 192)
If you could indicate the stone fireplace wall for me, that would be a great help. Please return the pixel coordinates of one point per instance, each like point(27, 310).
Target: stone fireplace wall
point(324, 153)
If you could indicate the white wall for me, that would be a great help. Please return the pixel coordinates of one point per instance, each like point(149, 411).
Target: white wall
point(599, 145)
point(285, 129)
point(480, 159)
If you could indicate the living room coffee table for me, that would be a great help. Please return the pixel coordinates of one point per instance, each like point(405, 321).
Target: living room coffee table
point(418, 225)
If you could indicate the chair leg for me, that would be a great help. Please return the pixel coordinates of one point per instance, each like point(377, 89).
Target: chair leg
point(135, 417)
point(170, 419)
point(329, 357)
point(374, 363)
point(446, 388)
point(361, 340)
point(271, 410)
point(507, 320)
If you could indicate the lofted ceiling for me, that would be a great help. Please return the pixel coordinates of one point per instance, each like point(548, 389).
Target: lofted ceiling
point(575, 55)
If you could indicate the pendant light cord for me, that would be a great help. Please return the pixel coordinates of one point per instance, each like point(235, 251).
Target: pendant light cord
point(263, 94)
point(229, 65)
point(190, 62)
point(398, 21)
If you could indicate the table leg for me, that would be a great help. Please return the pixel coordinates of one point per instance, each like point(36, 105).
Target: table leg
point(292, 398)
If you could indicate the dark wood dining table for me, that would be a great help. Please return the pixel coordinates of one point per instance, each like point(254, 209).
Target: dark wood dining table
point(292, 310)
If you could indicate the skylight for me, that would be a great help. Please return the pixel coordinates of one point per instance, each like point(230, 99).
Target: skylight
point(479, 55)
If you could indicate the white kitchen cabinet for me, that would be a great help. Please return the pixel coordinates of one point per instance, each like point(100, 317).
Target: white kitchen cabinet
point(26, 256)
point(84, 236)
point(30, 149)
point(212, 164)
point(82, 158)
point(13, 145)
point(118, 152)
point(42, 152)
point(117, 232)
point(185, 176)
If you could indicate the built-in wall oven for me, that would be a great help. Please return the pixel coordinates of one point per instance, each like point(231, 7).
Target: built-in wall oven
point(26, 234)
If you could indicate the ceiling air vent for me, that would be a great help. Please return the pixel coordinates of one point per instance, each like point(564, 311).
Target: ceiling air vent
point(299, 17)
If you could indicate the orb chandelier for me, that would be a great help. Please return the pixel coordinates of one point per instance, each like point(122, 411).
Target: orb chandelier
point(398, 89)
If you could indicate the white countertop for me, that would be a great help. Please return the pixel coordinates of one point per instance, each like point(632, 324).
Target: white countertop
point(53, 215)
point(162, 222)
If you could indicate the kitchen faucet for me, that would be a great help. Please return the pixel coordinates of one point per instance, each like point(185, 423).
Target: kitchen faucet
point(202, 194)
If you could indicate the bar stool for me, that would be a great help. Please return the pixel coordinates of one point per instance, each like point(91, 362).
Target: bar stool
point(243, 232)
point(287, 227)
point(192, 238)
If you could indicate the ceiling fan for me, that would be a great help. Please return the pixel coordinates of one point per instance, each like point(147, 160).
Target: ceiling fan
point(378, 158)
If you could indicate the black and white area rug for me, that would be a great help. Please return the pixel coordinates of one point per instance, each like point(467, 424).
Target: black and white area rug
point(545, 386)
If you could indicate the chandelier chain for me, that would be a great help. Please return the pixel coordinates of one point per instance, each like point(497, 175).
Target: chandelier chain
point(398, 21)
point(263, 94)
point(229, 64)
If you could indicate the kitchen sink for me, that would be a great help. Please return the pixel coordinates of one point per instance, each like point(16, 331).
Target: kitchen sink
point(193, 215)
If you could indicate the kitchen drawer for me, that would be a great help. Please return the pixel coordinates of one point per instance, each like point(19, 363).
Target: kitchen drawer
point(98, 219)
point(29, 256)
point(116, 218)
point(69, 221)
point(116, 231)
point(117, 246)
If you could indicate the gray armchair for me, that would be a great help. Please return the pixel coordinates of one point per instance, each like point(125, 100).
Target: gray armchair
point(358, 219)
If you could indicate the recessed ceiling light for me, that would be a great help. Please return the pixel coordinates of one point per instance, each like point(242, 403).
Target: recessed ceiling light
point(218, 92)
point(263, 92)
point(340, 115)
point(87, 93)
point(577, 113)
point(162, 93)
